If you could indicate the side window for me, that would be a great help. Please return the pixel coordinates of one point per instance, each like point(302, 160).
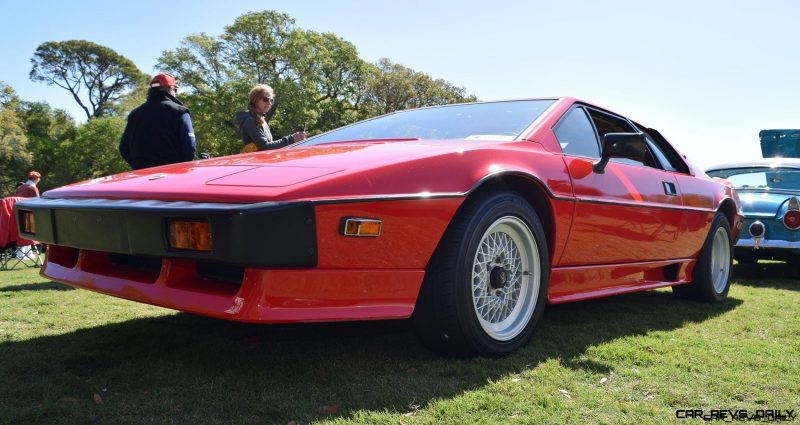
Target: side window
point(663, 151)
point(660, 156)
point(576, 135)
point(606, 123)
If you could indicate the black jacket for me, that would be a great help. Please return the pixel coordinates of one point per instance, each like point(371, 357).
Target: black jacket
point(157, 133)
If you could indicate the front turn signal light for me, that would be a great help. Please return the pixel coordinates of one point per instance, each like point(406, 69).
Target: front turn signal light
point(189, 234)
point(362, 227)
point(27, 223)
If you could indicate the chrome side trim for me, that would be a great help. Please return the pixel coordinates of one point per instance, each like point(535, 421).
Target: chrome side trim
point(645, 205)
point(401, 197)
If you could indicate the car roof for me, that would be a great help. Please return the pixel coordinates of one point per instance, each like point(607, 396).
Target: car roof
point(765, 162)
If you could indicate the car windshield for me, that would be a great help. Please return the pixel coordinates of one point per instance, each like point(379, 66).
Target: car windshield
point(472, 121)
point(761, 178)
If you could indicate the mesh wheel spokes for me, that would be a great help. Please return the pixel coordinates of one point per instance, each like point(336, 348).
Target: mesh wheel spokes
point(504, 307)
point(497, 250)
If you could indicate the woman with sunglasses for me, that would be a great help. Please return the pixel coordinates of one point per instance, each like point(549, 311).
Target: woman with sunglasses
point(253, 128)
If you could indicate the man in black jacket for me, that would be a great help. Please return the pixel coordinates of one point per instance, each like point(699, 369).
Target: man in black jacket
point(160, 130)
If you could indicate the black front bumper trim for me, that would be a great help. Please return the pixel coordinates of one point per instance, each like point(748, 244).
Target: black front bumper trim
point(266, 234)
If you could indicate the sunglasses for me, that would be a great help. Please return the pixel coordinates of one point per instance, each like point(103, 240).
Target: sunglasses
point(268, 99)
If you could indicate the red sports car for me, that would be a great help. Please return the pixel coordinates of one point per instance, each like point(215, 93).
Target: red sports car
point(468, 218)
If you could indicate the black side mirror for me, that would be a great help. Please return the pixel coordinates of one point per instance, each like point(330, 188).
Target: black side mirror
point(621, 145)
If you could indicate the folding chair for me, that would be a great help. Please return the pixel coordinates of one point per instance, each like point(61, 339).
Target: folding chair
point(15, 251)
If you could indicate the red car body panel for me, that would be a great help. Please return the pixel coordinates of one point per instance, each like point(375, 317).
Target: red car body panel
point(609, 233)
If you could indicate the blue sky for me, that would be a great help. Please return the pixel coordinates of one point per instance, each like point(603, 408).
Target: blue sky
point(708, 75)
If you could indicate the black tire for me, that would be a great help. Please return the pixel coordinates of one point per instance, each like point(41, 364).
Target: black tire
point(456, 307)
point(711, 277)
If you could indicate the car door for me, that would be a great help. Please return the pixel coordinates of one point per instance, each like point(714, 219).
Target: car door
point(631, 212)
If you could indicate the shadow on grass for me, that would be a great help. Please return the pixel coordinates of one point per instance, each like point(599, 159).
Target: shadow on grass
point(773, 274)
point(37, 286)
point(188, 369)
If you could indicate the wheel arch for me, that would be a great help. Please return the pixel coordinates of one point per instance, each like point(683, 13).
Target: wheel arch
point(529, 188)
point(728, 207)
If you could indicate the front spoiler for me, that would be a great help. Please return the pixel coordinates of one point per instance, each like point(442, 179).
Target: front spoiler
point(266, 234)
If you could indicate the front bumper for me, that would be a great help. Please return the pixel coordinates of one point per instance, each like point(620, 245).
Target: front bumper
point(270, 262)
point(267, 234)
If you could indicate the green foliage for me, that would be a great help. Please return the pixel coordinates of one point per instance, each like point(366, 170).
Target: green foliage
point(319, 80)
point(320, 83)
point(93, 152)
point(215, 92)
point(130, 100)
point(63, 152)
point(82, 66)
point(46, 129)
point(393, 87)
point(14, 156)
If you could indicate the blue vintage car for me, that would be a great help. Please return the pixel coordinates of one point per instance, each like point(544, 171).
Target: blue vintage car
point(770, 193)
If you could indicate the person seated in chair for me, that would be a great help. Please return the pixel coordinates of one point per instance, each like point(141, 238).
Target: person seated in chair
point(29, 189)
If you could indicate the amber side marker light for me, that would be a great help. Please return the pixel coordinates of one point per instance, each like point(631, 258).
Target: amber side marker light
point(27, 223)
point(369, 227)
point(189, 234)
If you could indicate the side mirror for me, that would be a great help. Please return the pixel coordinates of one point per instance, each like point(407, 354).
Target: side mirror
point(621, 145)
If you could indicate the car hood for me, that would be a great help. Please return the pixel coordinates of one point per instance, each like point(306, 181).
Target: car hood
point(763, 204)
point(372, 168)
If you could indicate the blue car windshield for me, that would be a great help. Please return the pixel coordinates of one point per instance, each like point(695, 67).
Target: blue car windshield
point(761, 178)
point(471, 121)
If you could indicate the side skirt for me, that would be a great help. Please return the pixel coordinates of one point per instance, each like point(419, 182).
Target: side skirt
point(578, 283)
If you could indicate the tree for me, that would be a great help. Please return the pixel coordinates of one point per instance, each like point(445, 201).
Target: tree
point(320, 81)
point(315, 76)
point(93, 152)
point(212, 88)
point(46, 129)
point(393, 87)
point(95, 75)
point(14, 156)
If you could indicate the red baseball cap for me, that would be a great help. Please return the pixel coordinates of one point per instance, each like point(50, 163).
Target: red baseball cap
point(162, 79)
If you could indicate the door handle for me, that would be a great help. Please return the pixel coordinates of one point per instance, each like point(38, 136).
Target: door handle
point(669, 188)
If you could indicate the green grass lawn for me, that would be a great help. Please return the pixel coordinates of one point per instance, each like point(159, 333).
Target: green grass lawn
point(73, 356)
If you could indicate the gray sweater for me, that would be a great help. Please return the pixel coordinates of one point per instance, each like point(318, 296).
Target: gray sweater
point(250, 131)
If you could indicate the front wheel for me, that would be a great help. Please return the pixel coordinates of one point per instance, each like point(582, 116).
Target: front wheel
point(486, 286)
point(711, 277)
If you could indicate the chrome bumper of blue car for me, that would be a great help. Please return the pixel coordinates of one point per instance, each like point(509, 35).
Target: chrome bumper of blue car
point(768, 244)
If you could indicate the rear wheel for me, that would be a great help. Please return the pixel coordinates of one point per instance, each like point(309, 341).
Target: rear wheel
point(711, 277)
point(485, 288)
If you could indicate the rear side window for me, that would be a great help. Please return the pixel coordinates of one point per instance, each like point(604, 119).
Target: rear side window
point(606, 123)
point(660, 156)
point(576, 135)
point(609, 124)
point(670, 159)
